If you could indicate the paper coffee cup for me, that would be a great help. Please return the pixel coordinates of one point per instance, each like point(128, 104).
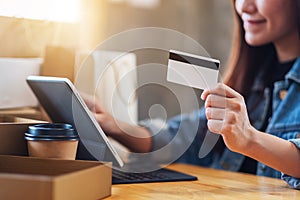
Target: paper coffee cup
point(52, 141)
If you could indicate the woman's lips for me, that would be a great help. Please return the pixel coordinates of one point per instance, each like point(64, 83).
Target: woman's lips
point(255, 21)
point(253, 24)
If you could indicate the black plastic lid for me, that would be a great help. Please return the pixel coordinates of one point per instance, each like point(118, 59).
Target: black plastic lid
point(48, 131)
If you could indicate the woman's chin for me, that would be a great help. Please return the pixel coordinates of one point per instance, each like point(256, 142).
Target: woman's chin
point(255, 40)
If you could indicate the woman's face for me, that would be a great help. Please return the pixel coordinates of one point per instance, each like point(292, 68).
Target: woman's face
point(266, 21)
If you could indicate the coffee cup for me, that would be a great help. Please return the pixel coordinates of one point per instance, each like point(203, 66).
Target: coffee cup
point(52, 141)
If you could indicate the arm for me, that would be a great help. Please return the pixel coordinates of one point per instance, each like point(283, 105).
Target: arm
point(227, 115)
point(136, 138)
point(168, 139)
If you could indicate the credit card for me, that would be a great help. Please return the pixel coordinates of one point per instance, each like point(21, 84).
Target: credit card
point(192, 70)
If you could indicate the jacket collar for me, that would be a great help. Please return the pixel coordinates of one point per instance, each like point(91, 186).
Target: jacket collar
point(294, 73)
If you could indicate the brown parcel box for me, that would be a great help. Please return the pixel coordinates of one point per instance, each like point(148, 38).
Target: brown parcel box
point(29, 178)
point(12, 131)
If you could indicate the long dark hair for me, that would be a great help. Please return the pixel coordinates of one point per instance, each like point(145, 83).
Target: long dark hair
point(245, 60)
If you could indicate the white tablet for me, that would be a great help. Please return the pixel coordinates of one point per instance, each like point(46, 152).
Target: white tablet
point(63, 104)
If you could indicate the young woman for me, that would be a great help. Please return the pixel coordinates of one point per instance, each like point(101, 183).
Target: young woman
point(257, 112)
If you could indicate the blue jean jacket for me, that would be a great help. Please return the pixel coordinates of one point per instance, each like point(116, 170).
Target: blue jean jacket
point(186, 132)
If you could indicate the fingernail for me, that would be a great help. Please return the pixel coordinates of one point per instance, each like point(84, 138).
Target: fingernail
point(202, 95)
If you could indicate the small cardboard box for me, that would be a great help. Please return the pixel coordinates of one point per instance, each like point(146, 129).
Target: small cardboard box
point(12, 131)
point(29, 178)
point(59, 61)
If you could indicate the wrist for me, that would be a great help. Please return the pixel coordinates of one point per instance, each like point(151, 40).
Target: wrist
point(251, 141)
point(118, 128)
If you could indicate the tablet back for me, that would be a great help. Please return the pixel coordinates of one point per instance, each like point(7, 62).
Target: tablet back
point(63, 104)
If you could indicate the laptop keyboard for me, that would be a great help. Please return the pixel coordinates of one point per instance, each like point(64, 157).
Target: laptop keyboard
point(161, 175)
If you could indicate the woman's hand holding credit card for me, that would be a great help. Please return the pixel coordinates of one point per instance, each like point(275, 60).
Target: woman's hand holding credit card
point(197, 72)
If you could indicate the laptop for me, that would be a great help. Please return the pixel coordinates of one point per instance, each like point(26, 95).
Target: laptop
point(63, 104)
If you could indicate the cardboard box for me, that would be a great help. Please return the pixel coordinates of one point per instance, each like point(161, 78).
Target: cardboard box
point(29, 178)
point(59, 61)
point(24, 112)
point(12, 131)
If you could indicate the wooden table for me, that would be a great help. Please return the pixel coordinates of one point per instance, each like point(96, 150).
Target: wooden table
point(211, 184)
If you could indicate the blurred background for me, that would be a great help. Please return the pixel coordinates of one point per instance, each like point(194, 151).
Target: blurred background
point(56, 30)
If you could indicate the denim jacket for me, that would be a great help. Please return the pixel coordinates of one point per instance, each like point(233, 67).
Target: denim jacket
point(183, 135)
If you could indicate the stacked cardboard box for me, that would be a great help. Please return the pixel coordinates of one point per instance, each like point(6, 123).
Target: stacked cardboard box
point(52, 179)
point(27, 178)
